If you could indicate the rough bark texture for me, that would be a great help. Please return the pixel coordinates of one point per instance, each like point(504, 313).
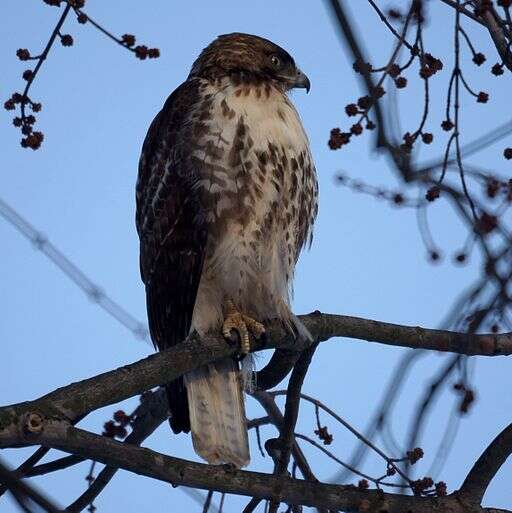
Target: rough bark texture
point(76, 400)
point(49, 420)
point(178, 472)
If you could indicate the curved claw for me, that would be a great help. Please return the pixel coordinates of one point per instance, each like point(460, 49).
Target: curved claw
point(243, 325)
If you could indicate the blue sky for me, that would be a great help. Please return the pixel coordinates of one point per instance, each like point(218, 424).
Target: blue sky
point(367, 258)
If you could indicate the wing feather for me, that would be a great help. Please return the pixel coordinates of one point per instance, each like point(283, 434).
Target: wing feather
point(172, 231)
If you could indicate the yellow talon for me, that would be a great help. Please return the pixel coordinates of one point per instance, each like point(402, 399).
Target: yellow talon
point(243, 324)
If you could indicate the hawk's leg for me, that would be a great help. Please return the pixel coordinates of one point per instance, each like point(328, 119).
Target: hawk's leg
point(243, 324)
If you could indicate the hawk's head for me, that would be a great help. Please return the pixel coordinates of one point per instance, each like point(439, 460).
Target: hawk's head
point(249, 56)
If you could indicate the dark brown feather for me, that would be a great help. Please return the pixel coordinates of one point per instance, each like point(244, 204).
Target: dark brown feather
point(170, 223)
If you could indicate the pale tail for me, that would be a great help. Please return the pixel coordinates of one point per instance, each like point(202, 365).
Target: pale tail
point(217, 413)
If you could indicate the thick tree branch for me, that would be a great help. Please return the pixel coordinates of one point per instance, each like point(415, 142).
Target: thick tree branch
point(151, 412)
point(61, 435)
point(487, 465)
point(46, 421)
point(277, 368)
point(78, 399)
point(326, 326)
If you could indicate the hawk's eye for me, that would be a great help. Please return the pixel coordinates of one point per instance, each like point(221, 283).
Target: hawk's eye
point(276, 61)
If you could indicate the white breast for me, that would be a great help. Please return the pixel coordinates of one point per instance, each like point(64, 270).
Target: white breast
point(254, 217)
point(271, 119)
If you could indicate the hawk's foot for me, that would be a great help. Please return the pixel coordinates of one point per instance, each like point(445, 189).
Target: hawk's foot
point(243, 325)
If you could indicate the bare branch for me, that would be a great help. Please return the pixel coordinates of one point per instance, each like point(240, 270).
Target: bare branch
point(269, 405)
point(207, 502)
point(499, 39)
point(75, 400)
point(150, 414)
point(486, 467)
point(463, 11)
point(52, 466)
point(61, 435)
point(427, 402)
point(280, 364)
point(93, 292)
point(251, 505)
point(291, 410)
point(346, 425)
point(25, 99)
point(384, 20)
point(382, 141)
point(330, 455)
point(33, 139)
point(27, 465)
point(23, 491)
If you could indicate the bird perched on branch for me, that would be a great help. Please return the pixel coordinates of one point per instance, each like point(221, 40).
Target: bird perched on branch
point(226, 200)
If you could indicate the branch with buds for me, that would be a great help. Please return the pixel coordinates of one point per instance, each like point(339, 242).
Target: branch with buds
point(25, 122)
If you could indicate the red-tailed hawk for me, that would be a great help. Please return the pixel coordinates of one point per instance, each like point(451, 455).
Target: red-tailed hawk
point(226, 199)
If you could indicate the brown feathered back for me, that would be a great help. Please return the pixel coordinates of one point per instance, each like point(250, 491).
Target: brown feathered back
point(172, 234)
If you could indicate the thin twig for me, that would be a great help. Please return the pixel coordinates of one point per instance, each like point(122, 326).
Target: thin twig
point(42, 57)
point(388, 25)
point(24, 491)
point(268, 403)
point(354, 431)
point(329, 454)
point(148, 416)
point(208, 501)
point(40, 453)
point(291, 410)
point(52, 466)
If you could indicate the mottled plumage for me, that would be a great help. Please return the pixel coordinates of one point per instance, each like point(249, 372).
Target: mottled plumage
point(226, 199)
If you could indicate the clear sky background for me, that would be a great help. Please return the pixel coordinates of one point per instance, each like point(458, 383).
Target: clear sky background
point(367, 258)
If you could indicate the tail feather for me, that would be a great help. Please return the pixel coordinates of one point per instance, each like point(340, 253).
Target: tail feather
point(178, 406)
point(217, 413)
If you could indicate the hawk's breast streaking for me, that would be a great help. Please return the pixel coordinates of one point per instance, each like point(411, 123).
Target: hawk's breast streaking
point(226, 199)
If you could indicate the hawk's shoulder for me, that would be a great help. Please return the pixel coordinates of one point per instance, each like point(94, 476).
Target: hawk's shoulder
point(159, 150)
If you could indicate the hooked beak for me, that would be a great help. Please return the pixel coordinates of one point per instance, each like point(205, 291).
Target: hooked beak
point(301, 80)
